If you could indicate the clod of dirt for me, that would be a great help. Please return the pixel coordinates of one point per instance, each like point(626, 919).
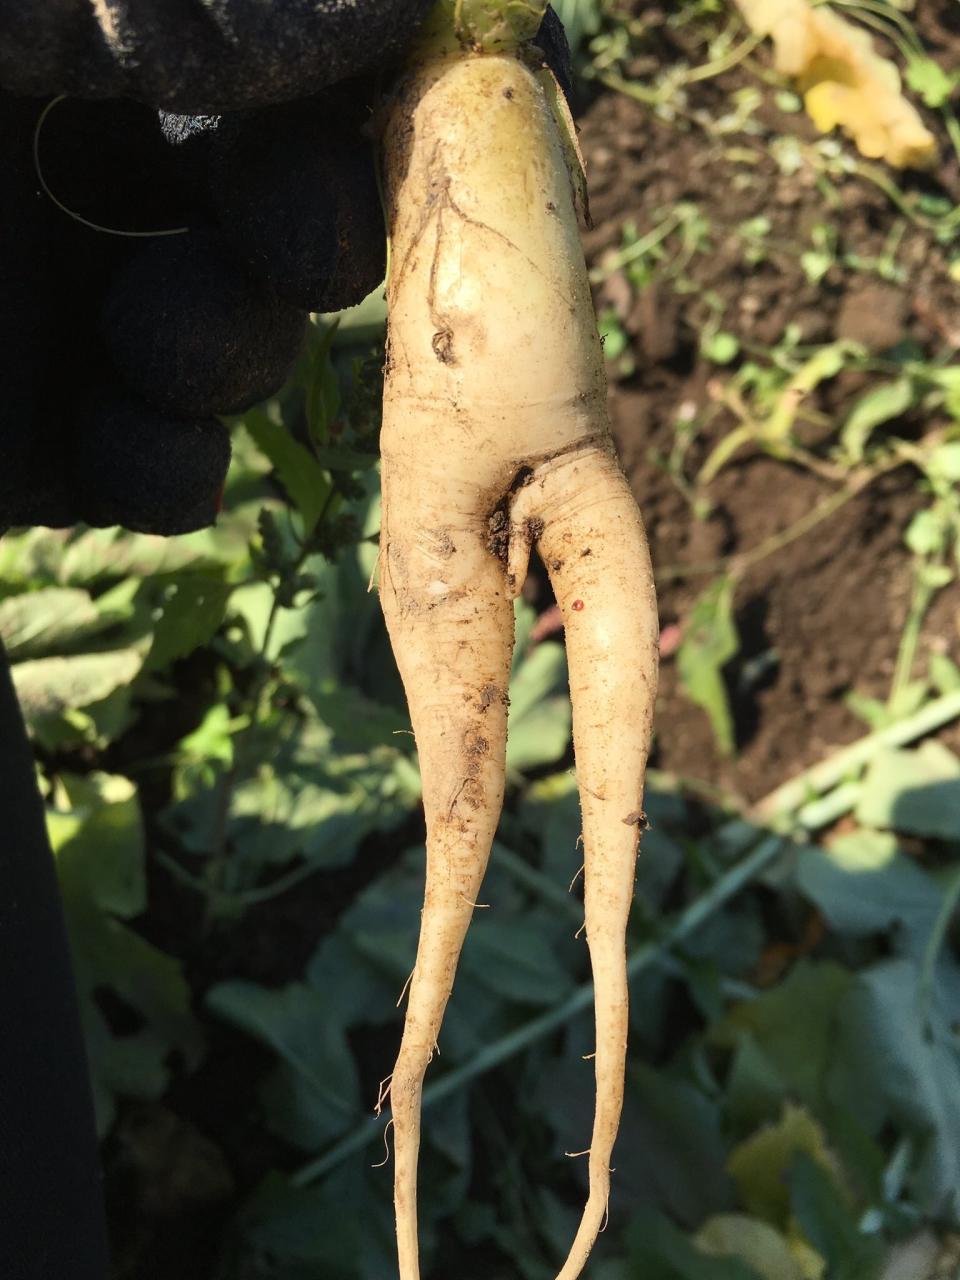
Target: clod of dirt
point(873, 314)
point(654, 320)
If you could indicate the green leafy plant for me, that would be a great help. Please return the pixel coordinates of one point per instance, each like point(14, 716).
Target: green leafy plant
point(97, 836)
point(709, 642)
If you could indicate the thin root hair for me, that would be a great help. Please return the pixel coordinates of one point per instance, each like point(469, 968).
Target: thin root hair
point(386, 1146)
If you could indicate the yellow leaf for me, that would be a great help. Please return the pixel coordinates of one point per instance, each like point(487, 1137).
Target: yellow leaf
point(762, 1247)
point(844, 81)
point(759, 1163)
point(812, 1266)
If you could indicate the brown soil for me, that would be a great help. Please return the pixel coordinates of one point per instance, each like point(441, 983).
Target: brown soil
point(822, 615)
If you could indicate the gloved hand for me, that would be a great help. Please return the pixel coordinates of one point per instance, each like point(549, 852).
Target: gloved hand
point(120, 350)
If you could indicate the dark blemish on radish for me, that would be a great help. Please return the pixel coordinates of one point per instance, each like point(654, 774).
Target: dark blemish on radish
point(491, 693)
point(498, 536)
point(523, 477)
point(442, 343)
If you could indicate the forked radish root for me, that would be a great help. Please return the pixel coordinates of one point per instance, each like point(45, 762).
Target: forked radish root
point(496, 439)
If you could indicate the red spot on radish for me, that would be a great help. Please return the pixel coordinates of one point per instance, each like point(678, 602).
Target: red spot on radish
point(577, 606)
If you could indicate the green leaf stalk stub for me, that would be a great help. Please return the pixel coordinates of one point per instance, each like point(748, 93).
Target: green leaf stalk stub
point(483, 26)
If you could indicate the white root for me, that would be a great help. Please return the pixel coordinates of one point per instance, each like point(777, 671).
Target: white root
point(495, 439)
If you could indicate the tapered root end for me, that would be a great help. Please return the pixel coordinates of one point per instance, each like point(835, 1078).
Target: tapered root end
point(591, 1224)
point(610, 981)
point(445, 919)
point(595, 549)
point(405, 1094)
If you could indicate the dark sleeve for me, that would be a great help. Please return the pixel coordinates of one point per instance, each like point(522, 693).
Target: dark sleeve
point(51, 1208)
point(197, 55)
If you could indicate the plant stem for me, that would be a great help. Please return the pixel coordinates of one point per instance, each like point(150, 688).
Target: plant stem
point(241, 898)
point(953, 127)
point(630, 88)
point(837, 768)
point(725, 63)
point(873, 173)
point(536, 881)
point(738, 562)
point(724, 450)
point(257, 704)
point(911, 41)
point(870, 17)
point(824, 811)
point(948, 906)
point(920, 599)
point(636, 250)
point(219, 861)
point(822, 511)
point(706, 71)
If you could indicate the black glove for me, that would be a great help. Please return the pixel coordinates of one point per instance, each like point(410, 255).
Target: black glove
point(120, 350)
